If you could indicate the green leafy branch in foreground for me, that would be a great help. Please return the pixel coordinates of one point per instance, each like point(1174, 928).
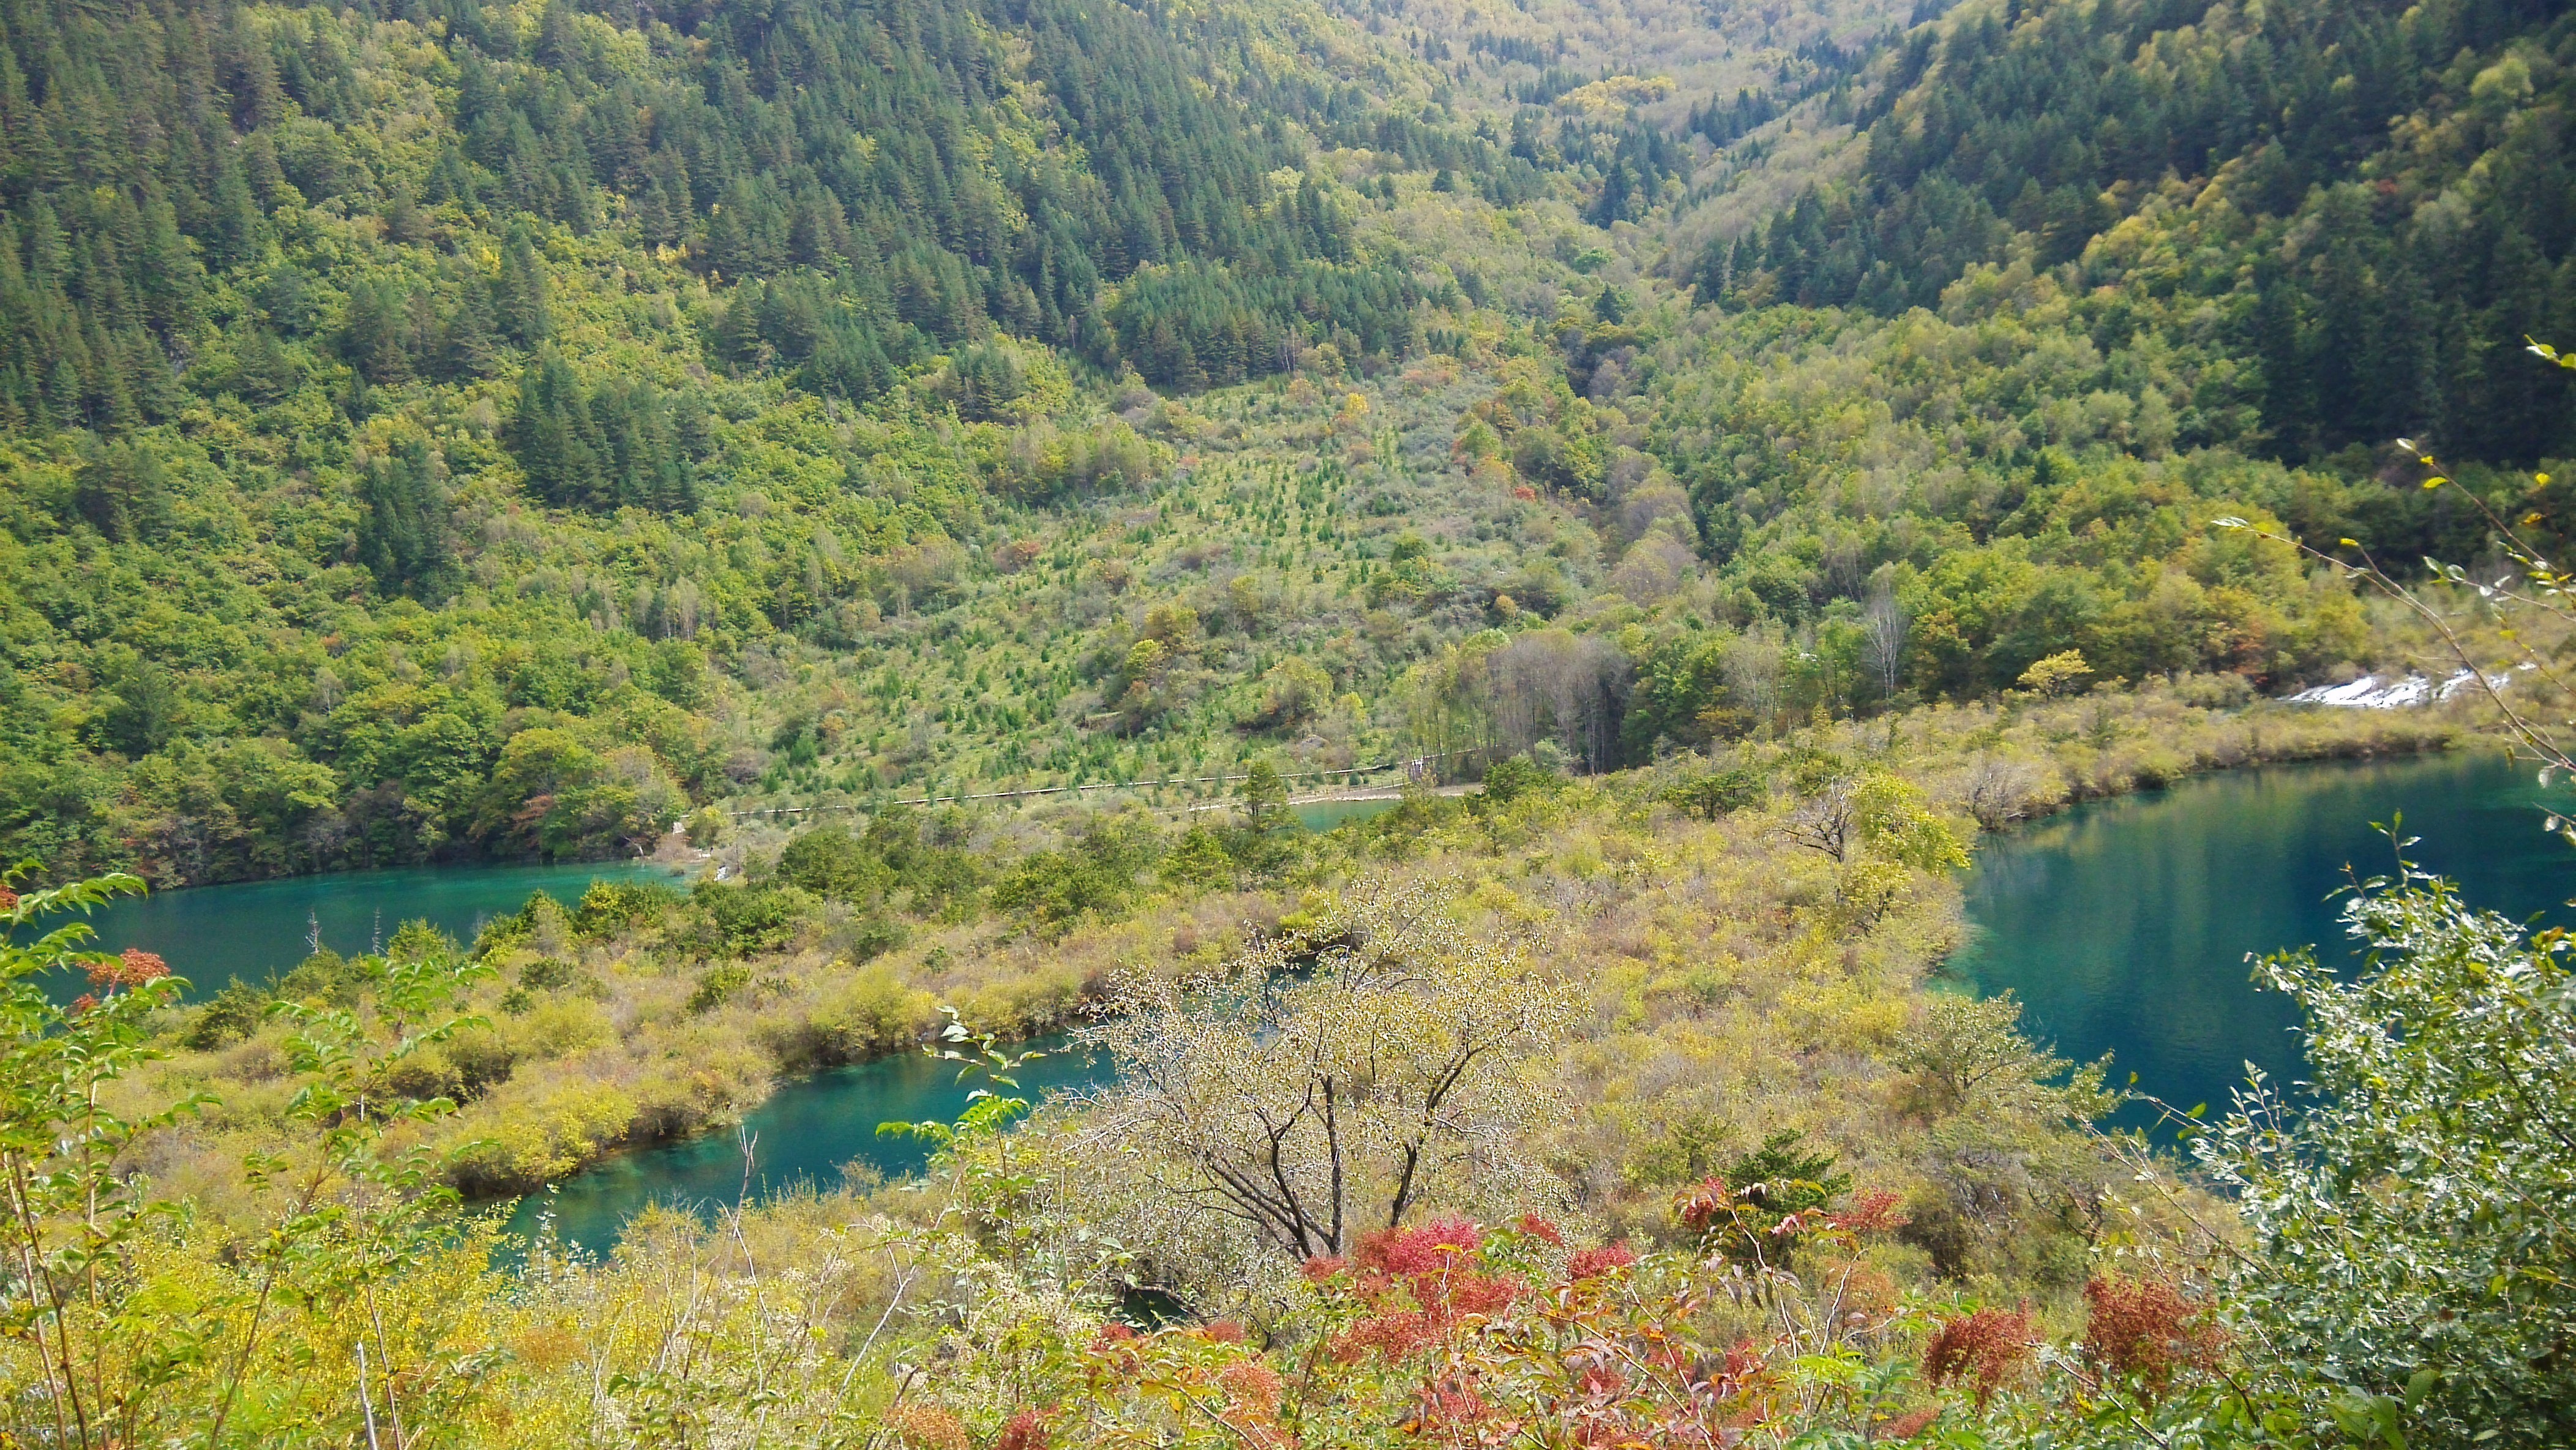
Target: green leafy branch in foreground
point(2415, 1212)
point(108, 1347)
point(70, 1215)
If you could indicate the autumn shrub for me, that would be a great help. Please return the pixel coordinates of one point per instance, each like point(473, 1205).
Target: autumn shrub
point(1982, 1349)
point(2145, 1333)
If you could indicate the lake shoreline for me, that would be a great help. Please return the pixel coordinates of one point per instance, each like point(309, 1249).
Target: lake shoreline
point(2179, 888)
point(2345, 737)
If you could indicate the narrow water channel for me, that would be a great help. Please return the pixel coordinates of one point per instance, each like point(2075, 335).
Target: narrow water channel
point(2123, 926)
point(812, 1132)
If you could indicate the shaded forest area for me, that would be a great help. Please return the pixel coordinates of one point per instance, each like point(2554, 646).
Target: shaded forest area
point(2371, 201)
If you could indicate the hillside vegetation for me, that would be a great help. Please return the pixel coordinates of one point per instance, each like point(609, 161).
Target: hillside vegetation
point(1654, 1012)
point(953, 472)
point(497, 434)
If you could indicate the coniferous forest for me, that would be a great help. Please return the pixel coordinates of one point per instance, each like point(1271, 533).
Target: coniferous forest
point(951, 478)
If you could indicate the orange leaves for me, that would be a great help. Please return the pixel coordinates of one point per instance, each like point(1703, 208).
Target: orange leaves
point(1980, 1350)
point(1464, 1335)
point(1025, 1431)
point(1593, 1263)
point(1254, 1386)
point(2145, 1332)
point(1906, 1427)
point(1391, 1337)
point(1210, 1376)
point(1874, 1210)
point(1489, 1348)
point(1540, 1229)
point(132, 968)
point(927, 1427)
point(1706, 1204)
point(1742, 1226)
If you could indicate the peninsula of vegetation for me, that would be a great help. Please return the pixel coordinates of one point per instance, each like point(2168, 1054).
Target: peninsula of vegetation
point(951, 475)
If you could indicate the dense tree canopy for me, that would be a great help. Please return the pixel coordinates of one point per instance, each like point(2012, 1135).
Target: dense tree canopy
point(2374, 196)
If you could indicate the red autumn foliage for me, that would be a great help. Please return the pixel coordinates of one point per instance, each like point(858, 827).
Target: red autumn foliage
point(1118, 1350)
point(131, 969)
point(1390, 1337)
point(1425, 1250)
point(2146, 1332)
point(1254, 1386)
point(8, 899)
point(1434, 1267)
point(84, 1001)
point(1713, 1207)
point(1483, 1352)
point(1705, 1204)
point(927, 1427)
point(1874, 1211)
point(1024, 1432)
point(1593, 1263)
point(1599, 1380)
point(1540, 1229)
point(1473, 1293)
point(1448, 1410)
point(1981, 1349)
point(1906, 1427)
point(1484, 1348)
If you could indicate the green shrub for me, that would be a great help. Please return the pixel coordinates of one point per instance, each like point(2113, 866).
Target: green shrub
point(1509, 780)
point(1717, 793)
point(717, 985)
point(229, 1016)
point(832, 863)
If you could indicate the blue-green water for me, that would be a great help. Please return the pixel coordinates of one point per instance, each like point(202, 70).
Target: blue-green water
point(809, 1132)
point(215, 935)
point(2124, 925)
point(1325, 815)
point(813, 1129)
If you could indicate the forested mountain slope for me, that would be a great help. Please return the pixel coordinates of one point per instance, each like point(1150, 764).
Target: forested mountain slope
point(475, 432)
point(899, 176)
point(2364, 207)
point(305, 315)
point(436, 431)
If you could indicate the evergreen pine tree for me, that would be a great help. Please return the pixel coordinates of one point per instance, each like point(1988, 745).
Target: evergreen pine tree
point(402, 524)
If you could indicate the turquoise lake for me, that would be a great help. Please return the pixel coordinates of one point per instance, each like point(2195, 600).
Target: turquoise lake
point(812, 1129)
point(808, 1133)
point(215, 935)
point(2124, 925)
